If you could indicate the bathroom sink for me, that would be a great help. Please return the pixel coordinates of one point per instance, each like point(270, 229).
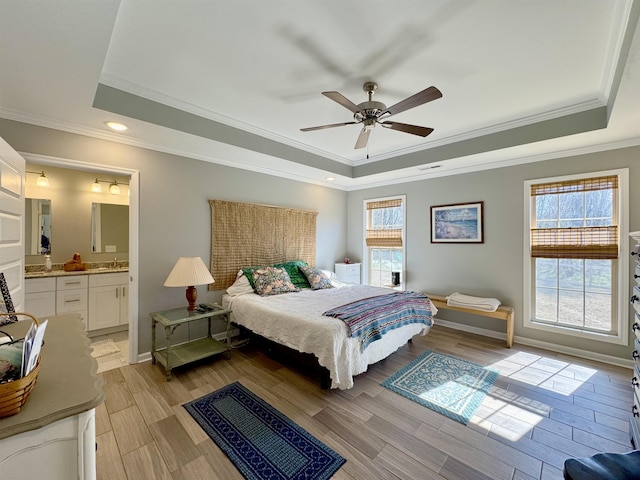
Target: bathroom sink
point(110, 269)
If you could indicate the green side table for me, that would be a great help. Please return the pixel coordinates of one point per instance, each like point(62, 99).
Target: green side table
point(172, 356)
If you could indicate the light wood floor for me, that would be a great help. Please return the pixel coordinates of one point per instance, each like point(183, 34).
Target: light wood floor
point(544, 408)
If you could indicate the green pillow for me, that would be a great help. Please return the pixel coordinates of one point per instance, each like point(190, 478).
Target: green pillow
point(297, 277)
point(248, 272)
point(295, 274)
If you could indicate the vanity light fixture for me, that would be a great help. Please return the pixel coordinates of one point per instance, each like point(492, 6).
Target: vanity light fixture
point(114, 186)
point(96, 187)
point(117, 126)
point(42, 180)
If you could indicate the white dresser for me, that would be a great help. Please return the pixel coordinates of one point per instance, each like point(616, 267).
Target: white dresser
point(347, 272)
point(54, 436)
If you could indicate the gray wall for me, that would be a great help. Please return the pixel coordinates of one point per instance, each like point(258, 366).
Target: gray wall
point(494, 268)
point(175, 218)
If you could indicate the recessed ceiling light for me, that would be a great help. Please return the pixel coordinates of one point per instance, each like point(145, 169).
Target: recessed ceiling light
point(118, 127)
point(330, 179)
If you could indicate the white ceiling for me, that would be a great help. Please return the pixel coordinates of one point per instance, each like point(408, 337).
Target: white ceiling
point(233, 82)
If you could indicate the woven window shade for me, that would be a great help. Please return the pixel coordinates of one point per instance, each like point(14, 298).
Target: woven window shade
point(384, 238)
point(248, 234)
point(397, 202)
point(575, 242)
point(581, 185)
point(582, 242)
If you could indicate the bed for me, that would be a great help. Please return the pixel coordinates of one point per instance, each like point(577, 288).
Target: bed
point(296, 321)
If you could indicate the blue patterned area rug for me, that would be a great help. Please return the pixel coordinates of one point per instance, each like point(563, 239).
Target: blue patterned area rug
point(449, 385)
point(260, 441)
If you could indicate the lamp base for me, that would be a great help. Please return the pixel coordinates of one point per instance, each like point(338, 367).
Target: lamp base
point(192, 296)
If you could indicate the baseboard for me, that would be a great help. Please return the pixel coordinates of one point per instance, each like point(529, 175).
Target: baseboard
point(553, 347)
point(144, 357)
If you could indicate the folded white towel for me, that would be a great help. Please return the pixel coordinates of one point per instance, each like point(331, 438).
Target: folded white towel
point(475, 303)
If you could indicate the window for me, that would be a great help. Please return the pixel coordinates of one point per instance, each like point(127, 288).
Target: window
point(574, 280)
point(384, 239)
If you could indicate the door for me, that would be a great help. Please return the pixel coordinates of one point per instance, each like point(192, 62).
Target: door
point(12, 174)
point(104, 307)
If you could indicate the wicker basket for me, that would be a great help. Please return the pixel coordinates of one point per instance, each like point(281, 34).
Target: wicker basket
point(13, 395)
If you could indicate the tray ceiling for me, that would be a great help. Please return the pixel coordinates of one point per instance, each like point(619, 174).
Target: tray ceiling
point(233, 82)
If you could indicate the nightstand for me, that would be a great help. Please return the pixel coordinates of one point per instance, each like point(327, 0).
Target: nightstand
point(172, 356)
point(348, 272)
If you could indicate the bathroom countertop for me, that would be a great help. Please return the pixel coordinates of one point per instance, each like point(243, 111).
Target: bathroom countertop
point(62, 273)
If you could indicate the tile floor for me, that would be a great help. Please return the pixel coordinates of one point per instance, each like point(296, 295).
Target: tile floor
point(115, 360)
point(545, 407)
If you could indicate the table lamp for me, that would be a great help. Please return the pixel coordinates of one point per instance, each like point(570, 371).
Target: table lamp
point(188, 272)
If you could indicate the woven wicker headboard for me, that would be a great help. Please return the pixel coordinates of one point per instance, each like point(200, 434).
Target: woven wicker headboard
point(248, 234)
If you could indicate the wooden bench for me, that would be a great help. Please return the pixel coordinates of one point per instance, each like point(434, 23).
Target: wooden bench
point(503, 313)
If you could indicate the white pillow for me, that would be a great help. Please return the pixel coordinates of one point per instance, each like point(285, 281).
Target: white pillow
point(240, 287)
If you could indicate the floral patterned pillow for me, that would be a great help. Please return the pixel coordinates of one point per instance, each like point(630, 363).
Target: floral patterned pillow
point(317, 279)
point(272, 281)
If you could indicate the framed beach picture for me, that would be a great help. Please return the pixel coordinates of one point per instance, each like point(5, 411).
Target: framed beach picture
point(457, 223)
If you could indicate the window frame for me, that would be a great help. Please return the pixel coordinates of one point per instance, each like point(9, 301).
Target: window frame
point(366, 258)
point(620, 268)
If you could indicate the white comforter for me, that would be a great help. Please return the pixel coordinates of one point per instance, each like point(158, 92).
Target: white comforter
point(296, 320)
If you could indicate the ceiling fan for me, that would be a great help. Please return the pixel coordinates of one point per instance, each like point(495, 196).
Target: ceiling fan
point(370, 113)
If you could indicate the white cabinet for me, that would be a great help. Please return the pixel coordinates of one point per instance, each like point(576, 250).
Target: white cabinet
point(63, 449)
point(108, 300)
point(40, 296)
point(101, 300)
point(348, 272)
point(71, 295)
point(50, 296)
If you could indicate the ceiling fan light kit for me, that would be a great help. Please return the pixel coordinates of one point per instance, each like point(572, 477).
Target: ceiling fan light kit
point(370, 113)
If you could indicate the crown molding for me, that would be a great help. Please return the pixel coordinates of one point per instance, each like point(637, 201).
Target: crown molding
point(480, 132)
point(159, 97)
point(410, 174)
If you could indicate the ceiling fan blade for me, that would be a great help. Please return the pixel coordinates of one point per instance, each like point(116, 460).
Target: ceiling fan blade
point(314, 51)
point(342, 100)
point(321, 127)
point(403, 127)
point(363, 138)
point(427, 95)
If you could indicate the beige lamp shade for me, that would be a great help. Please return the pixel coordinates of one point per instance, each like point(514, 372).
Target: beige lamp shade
point(188, 272)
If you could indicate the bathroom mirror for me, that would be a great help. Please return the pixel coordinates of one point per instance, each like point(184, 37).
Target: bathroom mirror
point(109, 228)
point(37, 226)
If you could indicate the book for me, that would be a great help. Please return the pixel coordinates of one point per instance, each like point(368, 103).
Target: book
point(32, 344)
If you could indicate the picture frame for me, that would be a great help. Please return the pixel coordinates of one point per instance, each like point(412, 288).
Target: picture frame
point(7, 302)
point(457, 223)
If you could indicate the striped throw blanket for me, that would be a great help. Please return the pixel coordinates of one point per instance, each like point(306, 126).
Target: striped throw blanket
point(370, 318)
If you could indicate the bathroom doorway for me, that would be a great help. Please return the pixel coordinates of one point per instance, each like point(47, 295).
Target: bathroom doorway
point(117, 346)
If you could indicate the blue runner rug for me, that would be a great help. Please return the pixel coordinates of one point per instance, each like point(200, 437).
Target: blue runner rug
point(449, 385)
point(260, 441)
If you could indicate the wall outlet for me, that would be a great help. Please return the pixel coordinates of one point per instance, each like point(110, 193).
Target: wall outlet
point(110, 249)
